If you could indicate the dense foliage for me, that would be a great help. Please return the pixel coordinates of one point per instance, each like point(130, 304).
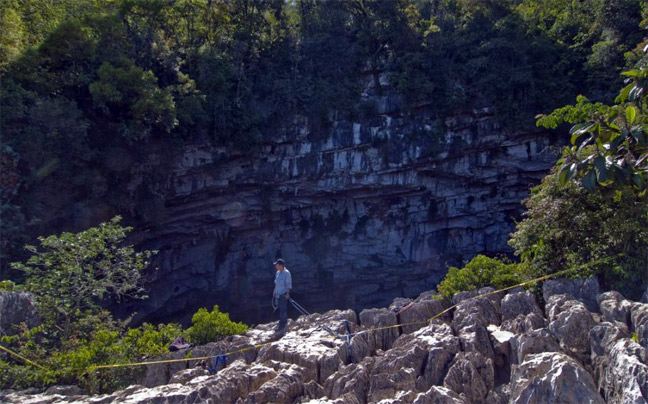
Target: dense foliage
point(614, 153)
point(479, 272)
point(70, 276)
point(82, 80)
point(594, 204)
point(212, 326)
point(72, 273)
point(567, 226)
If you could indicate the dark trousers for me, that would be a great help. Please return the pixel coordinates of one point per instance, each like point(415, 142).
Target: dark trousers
point(283, 311)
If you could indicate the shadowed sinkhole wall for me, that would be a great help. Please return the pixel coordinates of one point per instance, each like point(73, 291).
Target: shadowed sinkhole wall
point(355, 229)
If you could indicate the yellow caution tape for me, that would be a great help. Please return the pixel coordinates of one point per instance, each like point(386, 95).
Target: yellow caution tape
point(21, 357)
point(119, 365)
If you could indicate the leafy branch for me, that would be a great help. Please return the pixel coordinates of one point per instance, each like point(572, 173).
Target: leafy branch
point(609, 143)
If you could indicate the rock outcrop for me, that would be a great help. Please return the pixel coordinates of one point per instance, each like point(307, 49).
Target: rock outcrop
point(584, 290)
point(639, 318)
point(17, 308)
point(572, 356)
point(363, 213)
point(552, 378)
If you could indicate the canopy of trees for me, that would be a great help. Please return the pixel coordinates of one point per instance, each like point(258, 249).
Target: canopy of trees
point(79, 78)
point(94, 72)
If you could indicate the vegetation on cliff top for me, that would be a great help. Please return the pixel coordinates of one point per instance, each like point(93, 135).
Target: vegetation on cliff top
point(82, 80)
point(593, 205)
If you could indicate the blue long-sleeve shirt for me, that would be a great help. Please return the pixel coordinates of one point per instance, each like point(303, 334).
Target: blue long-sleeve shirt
point(283, 282)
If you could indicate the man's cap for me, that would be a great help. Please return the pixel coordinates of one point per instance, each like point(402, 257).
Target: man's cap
point(280, 261)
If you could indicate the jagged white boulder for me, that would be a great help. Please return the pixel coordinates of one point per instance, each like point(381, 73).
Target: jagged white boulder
point(625, 378)
point(519, 303)
point(603, 335)
point(639, 319)
point(552, 378)
point(385, 386)
point(474, 336)
point(571, 325)
point(381, 339)
point(472, 316)
point(614, 307)
point(311, 346)
point(186, 375)
point(287, 386)
point(428, 351)
point(533, 342)
point(471, 375)
point(415, 315)
point(583, 290)
point(523, 323)
point(350, 379)
point(439, 395)
point(346, 399)
point(494, 298)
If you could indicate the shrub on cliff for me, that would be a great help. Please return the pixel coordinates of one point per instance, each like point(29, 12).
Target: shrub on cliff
point(105, 344)
point(72, 273)
point(479, 272)
point(107, 347)
point(567, 226)
point(70, 276)
point(594, 203)
point(211, 326)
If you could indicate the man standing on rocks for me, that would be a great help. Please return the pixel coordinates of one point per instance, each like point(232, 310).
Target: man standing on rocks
point(283, 284)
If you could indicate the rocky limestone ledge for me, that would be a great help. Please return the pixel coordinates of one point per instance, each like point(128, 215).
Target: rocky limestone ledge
point(496, 349)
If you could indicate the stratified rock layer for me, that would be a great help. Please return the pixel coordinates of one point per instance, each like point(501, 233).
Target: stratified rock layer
point(363, 213)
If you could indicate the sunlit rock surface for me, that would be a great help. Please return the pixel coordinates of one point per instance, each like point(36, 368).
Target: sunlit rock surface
point(444, 361)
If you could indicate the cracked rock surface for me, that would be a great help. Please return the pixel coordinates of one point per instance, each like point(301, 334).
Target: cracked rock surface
point(495, 349)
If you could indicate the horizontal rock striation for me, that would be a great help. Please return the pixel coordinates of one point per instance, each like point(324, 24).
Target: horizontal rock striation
point(364, 213)
point(445, 360)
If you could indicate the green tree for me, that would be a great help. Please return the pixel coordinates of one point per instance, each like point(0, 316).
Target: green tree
point(131, 96)
point(566, 226)
point(11, 34)
point(71, 274)
point(614, 152)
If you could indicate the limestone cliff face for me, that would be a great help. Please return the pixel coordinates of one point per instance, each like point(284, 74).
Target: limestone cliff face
point(363, 213)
